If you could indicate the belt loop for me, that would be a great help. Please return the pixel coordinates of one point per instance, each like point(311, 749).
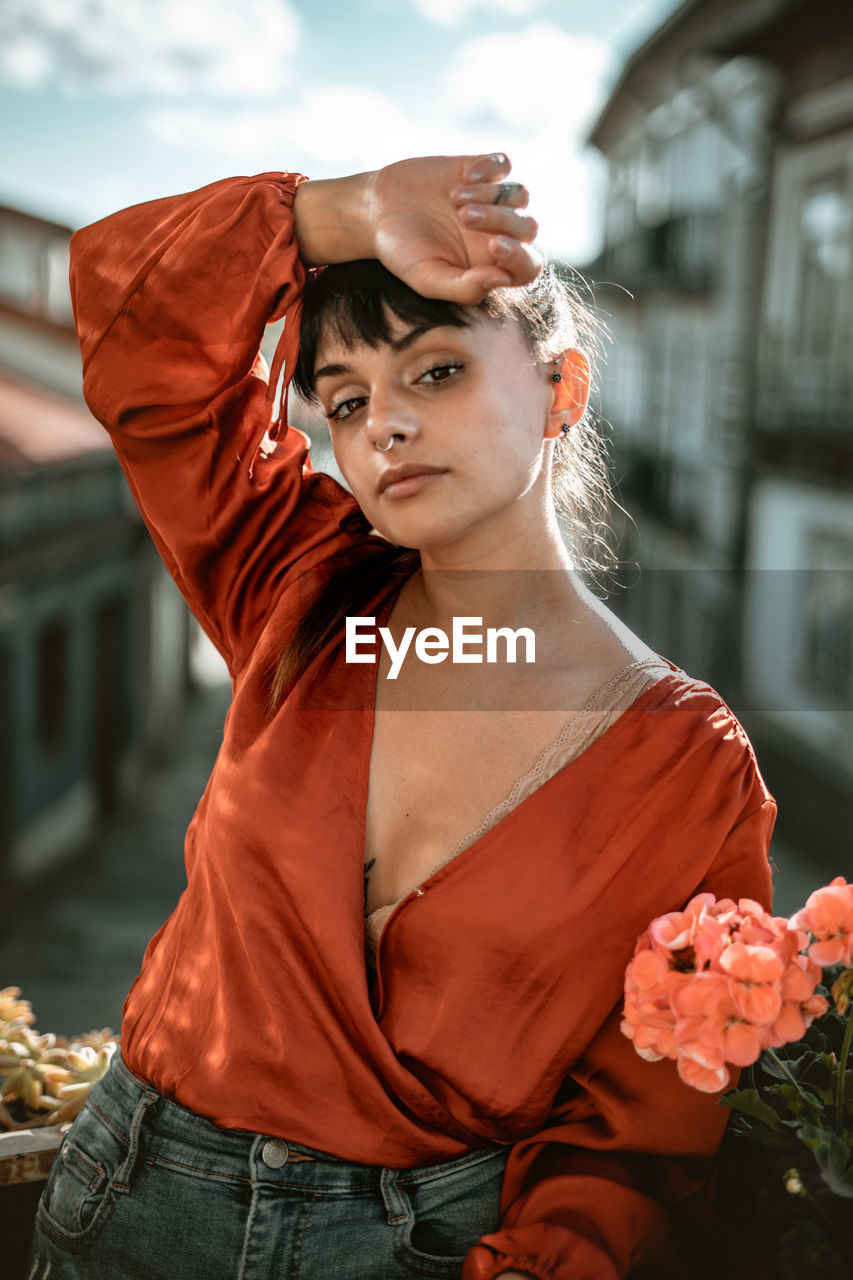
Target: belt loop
point(394, 1199)
point(255, 1154)
point(122, 1178)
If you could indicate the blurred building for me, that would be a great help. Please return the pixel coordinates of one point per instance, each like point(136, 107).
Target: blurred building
point(727, 276)
point(93, 636)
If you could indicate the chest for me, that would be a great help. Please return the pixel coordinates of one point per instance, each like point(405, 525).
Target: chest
point(442, 758)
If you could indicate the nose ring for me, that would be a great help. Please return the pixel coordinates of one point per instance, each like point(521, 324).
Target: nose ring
point(383, 448)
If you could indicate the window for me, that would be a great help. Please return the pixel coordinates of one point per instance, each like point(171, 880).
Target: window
point(806, 377)
point(826, 216)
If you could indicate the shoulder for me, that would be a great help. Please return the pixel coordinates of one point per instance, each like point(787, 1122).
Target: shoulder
point(700, 808)
point(693, 723)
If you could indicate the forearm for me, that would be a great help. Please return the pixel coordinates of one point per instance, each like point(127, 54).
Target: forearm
point(413, 217)
point(171, 299)
point(332, 220)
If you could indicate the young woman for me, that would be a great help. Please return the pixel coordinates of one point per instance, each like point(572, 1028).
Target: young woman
point(379, 1035)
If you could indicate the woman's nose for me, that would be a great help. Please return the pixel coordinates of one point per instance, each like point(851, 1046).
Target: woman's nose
point(388, 416)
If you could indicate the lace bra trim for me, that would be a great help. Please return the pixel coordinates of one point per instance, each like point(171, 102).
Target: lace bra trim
point(599, 711)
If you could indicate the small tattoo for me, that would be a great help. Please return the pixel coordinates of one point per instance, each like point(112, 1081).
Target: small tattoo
point(368, 866)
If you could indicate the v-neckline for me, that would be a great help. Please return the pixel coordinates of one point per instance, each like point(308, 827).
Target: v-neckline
point(372, 675)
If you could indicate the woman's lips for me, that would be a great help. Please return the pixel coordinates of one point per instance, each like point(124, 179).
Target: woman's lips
point(411, 484)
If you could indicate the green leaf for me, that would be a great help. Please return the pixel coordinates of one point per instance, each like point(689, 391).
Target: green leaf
point(833, 1158)
point(802, 1064)
point(771, 1068)
point(816, 1037)
point(749, 1102)
point(791, 1098)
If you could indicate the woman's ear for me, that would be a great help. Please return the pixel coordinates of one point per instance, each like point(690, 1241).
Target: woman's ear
point(570, 393)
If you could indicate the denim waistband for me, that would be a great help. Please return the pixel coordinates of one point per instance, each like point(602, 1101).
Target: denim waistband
point(175, 1136)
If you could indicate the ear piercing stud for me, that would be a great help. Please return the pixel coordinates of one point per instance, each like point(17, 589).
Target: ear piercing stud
point(565, 427)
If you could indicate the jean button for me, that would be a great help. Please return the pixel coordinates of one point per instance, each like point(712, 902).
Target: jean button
point(275, 1153)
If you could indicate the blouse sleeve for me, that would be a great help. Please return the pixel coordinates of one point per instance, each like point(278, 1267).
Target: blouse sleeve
point(624, 1161)
point(171, 299)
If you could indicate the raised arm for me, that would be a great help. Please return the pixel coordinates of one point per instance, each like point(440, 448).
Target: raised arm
point(171, 300)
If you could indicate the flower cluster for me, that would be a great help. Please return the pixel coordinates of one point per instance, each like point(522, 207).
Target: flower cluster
point(723, 984)
point(828, 917)
point(717, 983)
point(45, 1079)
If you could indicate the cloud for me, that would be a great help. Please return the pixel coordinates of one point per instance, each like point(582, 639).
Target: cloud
point(531, 92)
point(450, 13)
point(326, 130)
point(538, 79)
point(538, 89)
point(170, 47)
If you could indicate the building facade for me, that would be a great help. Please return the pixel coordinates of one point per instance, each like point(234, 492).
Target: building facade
point(93, 636)
point(727, 273)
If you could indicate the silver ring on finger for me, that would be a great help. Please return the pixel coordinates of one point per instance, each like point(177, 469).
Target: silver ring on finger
point(506, 192)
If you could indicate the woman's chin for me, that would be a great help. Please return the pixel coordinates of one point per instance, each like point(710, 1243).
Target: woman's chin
point(419, 534)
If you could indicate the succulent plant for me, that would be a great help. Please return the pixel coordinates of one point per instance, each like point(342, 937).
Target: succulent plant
point(45, 1079)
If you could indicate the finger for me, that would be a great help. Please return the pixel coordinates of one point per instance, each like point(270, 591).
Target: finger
point(469, 287)
point(442, 280)
point(488, 168)
point(498, 221)
point(512, 194)
point(522, 263)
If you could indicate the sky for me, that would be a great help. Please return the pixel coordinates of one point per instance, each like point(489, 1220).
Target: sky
point(107, 102)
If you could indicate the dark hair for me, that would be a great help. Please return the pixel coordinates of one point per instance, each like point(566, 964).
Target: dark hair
point(352, 301)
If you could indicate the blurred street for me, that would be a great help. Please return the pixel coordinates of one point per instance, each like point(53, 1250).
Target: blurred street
point(74, 941)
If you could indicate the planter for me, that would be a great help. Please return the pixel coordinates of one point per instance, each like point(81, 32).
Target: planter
point(26, 1156)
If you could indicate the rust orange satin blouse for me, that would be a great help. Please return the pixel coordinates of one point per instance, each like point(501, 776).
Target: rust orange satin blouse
point(494, 1014)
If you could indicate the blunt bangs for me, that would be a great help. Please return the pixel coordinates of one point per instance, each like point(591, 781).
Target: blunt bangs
point(351, 301)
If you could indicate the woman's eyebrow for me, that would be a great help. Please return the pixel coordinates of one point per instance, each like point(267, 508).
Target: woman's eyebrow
point(331, 371)
point(396, 345)
point(400, 344)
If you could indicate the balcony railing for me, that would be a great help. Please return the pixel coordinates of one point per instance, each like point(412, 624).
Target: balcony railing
point(805, 392)
point(668, 488)
point(679, 253)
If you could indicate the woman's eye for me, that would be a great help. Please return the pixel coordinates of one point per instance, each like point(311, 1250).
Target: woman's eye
point(343, 410)
point(440, 372)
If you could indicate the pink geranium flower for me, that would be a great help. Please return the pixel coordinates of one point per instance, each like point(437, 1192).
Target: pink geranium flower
point(828, 917)
point(754, 981)
point(710, 1028)
point(708, 1079)
point(676, 930)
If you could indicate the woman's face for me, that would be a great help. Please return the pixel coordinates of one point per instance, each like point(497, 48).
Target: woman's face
point(466, 409)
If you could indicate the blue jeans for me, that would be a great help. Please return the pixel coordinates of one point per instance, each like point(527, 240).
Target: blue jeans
point(143, 1189)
